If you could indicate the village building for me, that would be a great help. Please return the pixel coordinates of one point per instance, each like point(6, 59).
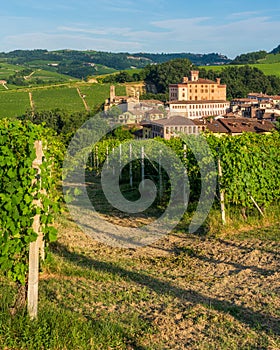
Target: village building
point(195, 97)
point(121, 101)
point(198, 109)
point(170, 127)
point(237, 126)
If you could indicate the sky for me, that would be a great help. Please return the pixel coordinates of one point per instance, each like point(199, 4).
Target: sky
point(229, 27)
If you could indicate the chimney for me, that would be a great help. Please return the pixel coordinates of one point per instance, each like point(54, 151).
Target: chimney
point(194, 75)
point(218, 80)
point(185, 80)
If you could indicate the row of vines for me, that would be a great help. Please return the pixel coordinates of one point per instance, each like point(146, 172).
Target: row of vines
point(250, 165)
point(21, 188)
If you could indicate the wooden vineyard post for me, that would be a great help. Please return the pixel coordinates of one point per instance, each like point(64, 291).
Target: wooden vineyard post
point(185, 176)
point(130, 166)
point(34, 249)
point(160, 174)
point(222, 193)
point(120, 161)
point(142, 166)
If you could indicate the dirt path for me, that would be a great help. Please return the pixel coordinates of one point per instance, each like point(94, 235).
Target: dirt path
point(31, 102)
point(83, 99)
point(26, 77)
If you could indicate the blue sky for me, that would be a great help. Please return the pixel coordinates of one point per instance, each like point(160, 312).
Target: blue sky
point(229, 27)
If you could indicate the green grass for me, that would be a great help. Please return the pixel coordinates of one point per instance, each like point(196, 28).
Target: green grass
point(269, 69)
point(8, 69)
point(13, 104)
point(96, 94)
point(104, 70)
point(266, 68)
point(271, 58)
point(185, 292)
point(48, 75)
point(62, 328)
point(62, 97)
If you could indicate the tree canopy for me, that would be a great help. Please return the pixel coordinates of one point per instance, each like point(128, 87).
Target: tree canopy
point(161, 75)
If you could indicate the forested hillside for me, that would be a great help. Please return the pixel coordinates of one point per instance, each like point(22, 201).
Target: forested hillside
point(81, 64)
point(240, 80)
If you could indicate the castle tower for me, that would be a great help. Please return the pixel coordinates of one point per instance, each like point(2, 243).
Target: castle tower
point(194, 75)
point(112, 93)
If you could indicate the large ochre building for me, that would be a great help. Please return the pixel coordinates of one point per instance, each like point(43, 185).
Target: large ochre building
point(195, 97)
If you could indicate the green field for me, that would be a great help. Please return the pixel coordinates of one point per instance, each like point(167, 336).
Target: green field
point(96, 94)
point(270, 59)
point(266, 68)
point(63, 98)
point(13, 103)
point(48, 75)
point(8, 69)
point(269, 69)
point(16, 102)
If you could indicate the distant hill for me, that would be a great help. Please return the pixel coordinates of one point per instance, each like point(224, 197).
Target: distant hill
point(80, 64)
point(255, 57)
point(276, 50)
point(250, 57)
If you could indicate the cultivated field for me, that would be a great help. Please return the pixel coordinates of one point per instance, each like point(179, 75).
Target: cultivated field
point(65, 96)
point(13, 103)
point(8, 69)
point(267, 68)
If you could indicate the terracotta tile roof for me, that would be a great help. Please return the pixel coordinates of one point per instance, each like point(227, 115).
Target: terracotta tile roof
point(175, 120)
point(203, 81)
point(197, 102)
point(230, 115)
point(216, 126)
point(253, 94)
point(197, 82)
point(146, 123)
point(239, 125)
point(151, 101)
point(155, 111)
point(245, 100)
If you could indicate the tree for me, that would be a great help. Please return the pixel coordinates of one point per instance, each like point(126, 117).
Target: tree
point(162, 75)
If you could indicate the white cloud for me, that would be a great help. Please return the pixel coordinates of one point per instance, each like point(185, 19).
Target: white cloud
point(59, 41)
point(242, 33)
point(245, 14)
